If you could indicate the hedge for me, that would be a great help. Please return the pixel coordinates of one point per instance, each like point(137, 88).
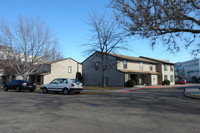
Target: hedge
point(130, 83)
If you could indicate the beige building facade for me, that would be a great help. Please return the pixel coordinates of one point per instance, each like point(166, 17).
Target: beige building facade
point(123, 68)
point(166, 69)
point(64, 68)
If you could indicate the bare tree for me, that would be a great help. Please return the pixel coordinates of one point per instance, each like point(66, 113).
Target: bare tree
point(54, 52)
point(106, 37)
point(26, 44)
point(173, 21)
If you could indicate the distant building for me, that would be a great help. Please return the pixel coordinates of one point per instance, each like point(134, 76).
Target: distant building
point(189, 70)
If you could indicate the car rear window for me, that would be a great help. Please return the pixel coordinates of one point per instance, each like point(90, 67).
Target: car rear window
point(76, 81)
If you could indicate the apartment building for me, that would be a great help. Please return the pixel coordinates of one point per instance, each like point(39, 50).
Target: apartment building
point(121, 68)
point(63, 68)
point(165, 68)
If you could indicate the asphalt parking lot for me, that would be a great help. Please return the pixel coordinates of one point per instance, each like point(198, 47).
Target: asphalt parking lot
point(159, 110)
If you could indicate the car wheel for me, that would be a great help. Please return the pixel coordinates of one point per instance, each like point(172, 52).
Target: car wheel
point(66, 91)
point(5, 88)
point(44, 90)
point(18, 89)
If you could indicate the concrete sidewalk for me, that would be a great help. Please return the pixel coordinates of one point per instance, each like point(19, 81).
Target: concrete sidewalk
point(192, 92)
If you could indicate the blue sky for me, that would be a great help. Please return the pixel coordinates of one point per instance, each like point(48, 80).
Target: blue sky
point(68, 19)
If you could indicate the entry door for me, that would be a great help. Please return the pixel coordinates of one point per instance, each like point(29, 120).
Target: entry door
point(134, 77)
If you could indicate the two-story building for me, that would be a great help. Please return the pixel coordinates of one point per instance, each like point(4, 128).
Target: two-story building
point(166, 69)
point(63, 68)
point(144, 70)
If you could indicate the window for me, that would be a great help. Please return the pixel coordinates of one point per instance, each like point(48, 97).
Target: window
point(63, 81)
point(96, 65)
point(141, 65)
point(151, 67)
point(125, 64)
point(171, 68)
point(172, 78)
point(55, 81)
point(75, 81)
point(165, 77)
point(165, 67)
point(44, 68)
point(69, 69)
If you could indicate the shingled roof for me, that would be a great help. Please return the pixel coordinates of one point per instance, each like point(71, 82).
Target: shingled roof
point(132, 58)
point(50, 62)
point(162, 61)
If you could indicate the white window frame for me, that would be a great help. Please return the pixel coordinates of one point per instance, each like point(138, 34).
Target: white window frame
point(96, 65)
point(141, 65)
point(125, 66)
point(165, 67)
point(171, 68)
point(69, 69)
point(151, 67)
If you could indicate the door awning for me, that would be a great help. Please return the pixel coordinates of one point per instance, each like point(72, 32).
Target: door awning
point(140, 72)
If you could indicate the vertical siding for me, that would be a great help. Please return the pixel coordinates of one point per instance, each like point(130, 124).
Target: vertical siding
point(94, 77)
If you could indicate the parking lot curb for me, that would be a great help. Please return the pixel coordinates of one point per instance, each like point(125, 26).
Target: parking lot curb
point(148, 87)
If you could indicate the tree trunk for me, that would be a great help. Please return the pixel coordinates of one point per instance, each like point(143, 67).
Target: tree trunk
point(25, 77)
point(103, 79)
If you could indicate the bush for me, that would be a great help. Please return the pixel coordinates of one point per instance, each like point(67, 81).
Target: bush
point(166, 82)
point(130, 83)
point(79, 76)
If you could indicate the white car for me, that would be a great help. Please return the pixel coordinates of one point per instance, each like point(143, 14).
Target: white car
point(65, 85)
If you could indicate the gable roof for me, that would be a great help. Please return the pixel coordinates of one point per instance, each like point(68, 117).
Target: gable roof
point(162, 61)
point(50, 62)
point(124, 57)
point(89, 57)
point(131, 58)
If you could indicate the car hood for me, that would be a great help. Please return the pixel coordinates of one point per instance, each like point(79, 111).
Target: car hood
point(43, 85)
